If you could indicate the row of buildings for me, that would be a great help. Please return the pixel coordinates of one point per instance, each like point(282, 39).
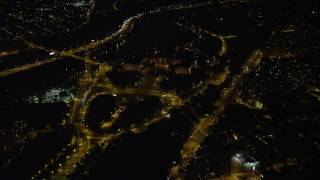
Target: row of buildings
point(177, 65)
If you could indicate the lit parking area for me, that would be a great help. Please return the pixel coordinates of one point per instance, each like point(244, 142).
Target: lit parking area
point(244, 166)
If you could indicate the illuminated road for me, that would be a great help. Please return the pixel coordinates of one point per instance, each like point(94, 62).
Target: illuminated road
point(88, 86)
point(86, 93)
point(128, 24)
point(63, 53)
point(89, 13)
point(223, 39)
point(8, 53)
point(125, 28)
point(84, 135)
point(47, 61)
point(202, 129)
point(27, 67)
point(34, 133)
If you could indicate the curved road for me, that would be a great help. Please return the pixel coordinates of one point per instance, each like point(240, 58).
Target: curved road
point(127, 25)
point(85, 135)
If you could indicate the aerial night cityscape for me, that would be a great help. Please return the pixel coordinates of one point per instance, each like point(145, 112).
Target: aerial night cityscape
point(160, 89)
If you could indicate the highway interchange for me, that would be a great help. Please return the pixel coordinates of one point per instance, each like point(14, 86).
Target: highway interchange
point(90, 81)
